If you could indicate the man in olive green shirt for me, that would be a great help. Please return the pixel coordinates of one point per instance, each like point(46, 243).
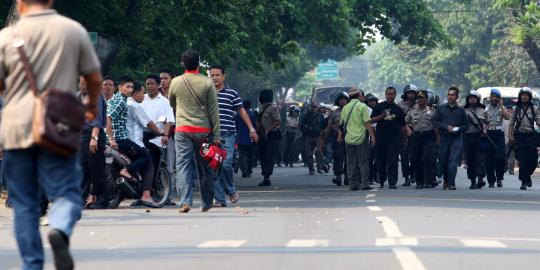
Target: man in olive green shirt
point(355, 118)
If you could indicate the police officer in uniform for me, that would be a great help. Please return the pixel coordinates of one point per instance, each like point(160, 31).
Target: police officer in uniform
point(334, 133)
point(424, 135)
point(408, 100)
point(496, 156)
point(476, 144)
point(371, 100)
point(522, 134)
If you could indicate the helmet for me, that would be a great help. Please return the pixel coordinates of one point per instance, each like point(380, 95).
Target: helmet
point(340, 96)
point(474, 93)
point(294, 108)
point(372, 96)
point(214, 155)
point(410, 87)
point(527, 91)
point(495, 91)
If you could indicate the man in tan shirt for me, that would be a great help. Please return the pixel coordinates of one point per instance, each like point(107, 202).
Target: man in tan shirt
point(59, 50)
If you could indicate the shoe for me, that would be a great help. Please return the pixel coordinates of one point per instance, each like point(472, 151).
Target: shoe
point(219, 205)
point(326, 168)
point(523, 187)
point(234, 198)
point(381, 185)
point(419, 186)
point(204, 210)
point(279, 165)
point(99, 205)
point(319, 171)
point(445, 184)
point(170, 203)
point(311, 173)
point(511, 172)
point(185, 208)
point(480, 184)
point(265, 183)
point(473, 186)
point(392, 187)
point(367, 188)
point(499, 184)
point(346, 181)
point(337, 180)
point(354, 188)
point(291, 165)
point(244, 175)
point(529, 183)
point(60, 247)
point(413, 180)
point(452, 187)
point(151, 204)
point(407, 181)
point(9, 204)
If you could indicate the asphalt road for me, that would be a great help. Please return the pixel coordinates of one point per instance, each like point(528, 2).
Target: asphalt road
point(304, 222)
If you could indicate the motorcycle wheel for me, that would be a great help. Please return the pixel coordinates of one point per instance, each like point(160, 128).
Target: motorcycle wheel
point(112, 188)
point(162, 186)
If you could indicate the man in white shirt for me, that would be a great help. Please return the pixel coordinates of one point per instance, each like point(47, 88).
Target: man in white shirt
point(157, 106)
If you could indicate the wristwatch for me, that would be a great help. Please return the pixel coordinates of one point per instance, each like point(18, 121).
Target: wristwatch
point(95, 138)
point(251, 130)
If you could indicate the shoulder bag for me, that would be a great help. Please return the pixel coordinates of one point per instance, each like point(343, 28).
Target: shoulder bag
point(58, 117)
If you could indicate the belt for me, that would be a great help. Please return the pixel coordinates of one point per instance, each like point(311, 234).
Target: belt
point(496, 128)
point(423, 132)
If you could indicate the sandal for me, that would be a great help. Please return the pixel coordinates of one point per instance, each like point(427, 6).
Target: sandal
point(234, 198)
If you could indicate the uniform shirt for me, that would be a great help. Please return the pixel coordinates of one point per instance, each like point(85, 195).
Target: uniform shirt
point(229, 103)
point(292, 121)
point(421, 120)
point(526, 124)
point(391, 125)
point(117, 110)
point(494, 115)
point(359, 116)
point(59, 50)
point(406, 105)
point(155, 108)
point(137, 120)
point(474, 125)
point(269, 116)
point(447, 115)
point(335, 119)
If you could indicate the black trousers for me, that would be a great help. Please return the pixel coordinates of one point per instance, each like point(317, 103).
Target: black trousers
point(387, 158)
point(527, 155)
point(496, 157)
point(268, 148)
point(155, 154)
point(339, 158)
point(140, 161)
point(475, 157)
point(93, 165)
point(405, 155)
point(247, 158)
point(423, 154)
point(288, 155)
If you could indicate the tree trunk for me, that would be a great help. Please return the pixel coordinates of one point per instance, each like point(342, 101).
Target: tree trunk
point(533, 51)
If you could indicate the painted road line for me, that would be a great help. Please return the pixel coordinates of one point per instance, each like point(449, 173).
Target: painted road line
point(390, 227)
point(385, 242)
point(374, 208)
point(222, 244)
point(371, 196)
point(370, 201)
point(307, 243)
point(407, 259)
point(483, 243)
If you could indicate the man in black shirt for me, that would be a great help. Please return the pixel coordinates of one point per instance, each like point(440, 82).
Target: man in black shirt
point(390, 120)
point(451, 120)
point(311, 129)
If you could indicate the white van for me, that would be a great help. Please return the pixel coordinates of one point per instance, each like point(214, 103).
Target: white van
point(508, 94)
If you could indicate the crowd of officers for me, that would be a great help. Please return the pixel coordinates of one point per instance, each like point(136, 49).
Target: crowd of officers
point(365, 139)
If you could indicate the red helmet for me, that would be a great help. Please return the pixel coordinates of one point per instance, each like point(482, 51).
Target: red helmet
point(214, 155)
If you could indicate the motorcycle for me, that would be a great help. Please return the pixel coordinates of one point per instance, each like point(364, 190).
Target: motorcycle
point(120, 188)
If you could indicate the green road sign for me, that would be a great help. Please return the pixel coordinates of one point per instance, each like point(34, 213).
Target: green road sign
point(327, 70)
point(93, 37)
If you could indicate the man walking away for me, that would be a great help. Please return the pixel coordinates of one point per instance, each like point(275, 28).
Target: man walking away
point(356, 120)
point(496, 157)
point(424, 135)
point(194, 125)
point(451, 120)
point(59, 50)
point(523, 136)
point(268, 122)
point(390, 132)
point(311, 129)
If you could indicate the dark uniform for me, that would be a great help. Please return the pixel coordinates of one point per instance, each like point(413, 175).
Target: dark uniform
point(406, 153)
point(422, 143)
point(496, 157)
point(338, 147)
point(476, 145)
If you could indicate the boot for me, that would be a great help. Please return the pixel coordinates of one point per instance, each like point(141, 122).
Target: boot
point(473, 184)
point(265, 182)
point(407, 181)
point(499, 183)
point(337, 180)
point(480, 183)
point(413, 180)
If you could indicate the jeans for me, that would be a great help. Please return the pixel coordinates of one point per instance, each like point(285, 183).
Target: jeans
point(247, 158)
point(450, 153)
point(93, 165)
point(187, 144)
point(496, 158)
point(140, 162)
point(60, 177)
point(224, 183)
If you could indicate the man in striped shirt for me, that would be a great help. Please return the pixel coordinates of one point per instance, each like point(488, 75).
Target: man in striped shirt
point(229, 103)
